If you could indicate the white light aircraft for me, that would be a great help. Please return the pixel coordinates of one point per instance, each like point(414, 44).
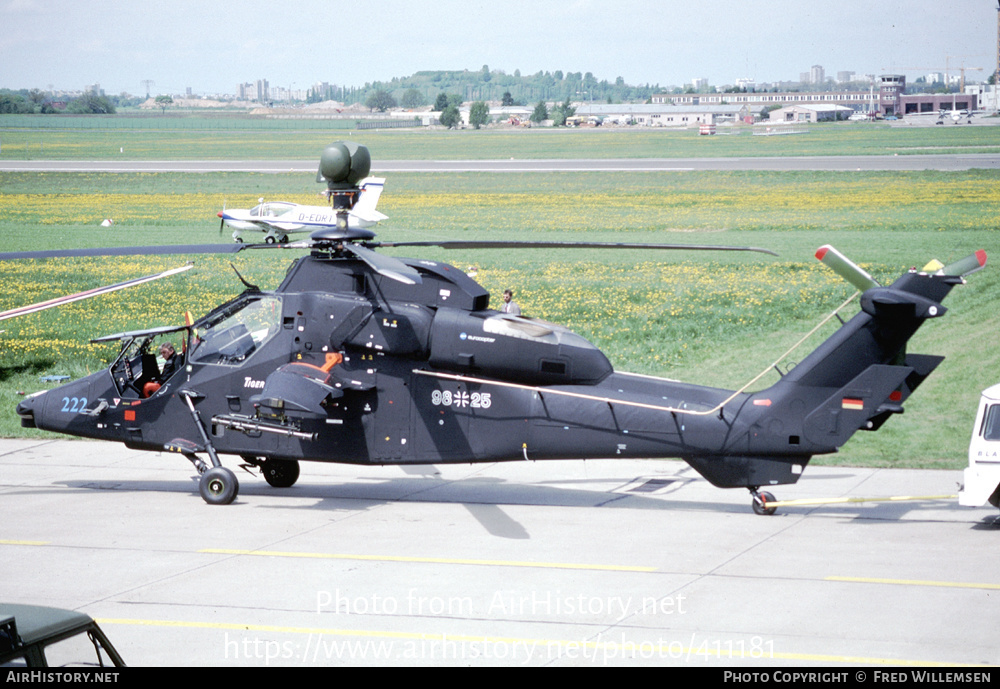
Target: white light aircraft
point(278, 219)
point(955, 114)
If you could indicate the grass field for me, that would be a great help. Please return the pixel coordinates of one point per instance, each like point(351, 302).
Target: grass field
point(289, 140)
point(716, 319)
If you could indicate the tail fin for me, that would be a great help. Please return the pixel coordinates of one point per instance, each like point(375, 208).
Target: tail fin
point(364, 209)
point(862, 374)
point(855, 380)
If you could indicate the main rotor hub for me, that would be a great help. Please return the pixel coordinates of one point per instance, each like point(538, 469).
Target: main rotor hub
point(333, 235)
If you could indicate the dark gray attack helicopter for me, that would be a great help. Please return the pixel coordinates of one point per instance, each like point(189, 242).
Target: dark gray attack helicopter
point(362, 358)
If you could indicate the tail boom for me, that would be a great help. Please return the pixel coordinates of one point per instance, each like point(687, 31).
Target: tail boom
point(856, 380)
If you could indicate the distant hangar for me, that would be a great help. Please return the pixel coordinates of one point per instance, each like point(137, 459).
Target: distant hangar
point(665, 115)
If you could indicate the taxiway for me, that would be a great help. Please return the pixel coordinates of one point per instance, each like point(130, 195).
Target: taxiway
point(943, 162)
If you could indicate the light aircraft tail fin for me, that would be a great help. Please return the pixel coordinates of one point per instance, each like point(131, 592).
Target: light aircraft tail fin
point(364, 209)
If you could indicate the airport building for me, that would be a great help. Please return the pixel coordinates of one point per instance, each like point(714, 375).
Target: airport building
point(642, 115)
point(895, 102)
point(668, 115)
point(817, 112)
point(890, 100)
point(854, 99)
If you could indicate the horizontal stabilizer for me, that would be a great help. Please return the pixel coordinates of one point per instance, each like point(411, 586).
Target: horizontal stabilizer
point(850, 408)
point(371, 216)
point(923, 365)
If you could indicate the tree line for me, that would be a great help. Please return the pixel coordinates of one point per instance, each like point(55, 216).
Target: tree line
point(448, 105)
point(34, 101)
point(422, 88)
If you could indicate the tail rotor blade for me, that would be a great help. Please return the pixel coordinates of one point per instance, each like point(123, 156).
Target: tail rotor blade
point(969, 264)
point(846, 268)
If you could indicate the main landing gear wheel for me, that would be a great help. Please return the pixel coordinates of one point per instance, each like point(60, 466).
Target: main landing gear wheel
point(218, 486)
point(280, 473)
point(760, 501)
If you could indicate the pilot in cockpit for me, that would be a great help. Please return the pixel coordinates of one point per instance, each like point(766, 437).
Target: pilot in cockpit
point(172, 361)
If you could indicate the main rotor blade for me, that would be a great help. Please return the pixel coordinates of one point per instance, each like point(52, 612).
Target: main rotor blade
point(385, 265)
point(97, 291)
point(490, 244)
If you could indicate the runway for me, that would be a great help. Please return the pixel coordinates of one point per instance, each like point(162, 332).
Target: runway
point(943, 162)
point(610, 562)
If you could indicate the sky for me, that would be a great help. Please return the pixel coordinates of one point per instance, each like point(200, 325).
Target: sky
point(211, 46)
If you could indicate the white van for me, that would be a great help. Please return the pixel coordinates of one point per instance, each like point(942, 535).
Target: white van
point(982, 476)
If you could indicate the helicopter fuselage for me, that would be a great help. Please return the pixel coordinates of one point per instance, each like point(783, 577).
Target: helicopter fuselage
point(431, 375)
point(344, 364)
point(359, 357)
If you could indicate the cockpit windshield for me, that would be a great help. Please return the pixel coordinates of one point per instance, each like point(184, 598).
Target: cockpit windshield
point(991, 423)
point(238, 334)
point(272, 209)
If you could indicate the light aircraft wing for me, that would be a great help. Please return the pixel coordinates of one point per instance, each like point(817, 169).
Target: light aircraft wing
point(87, 294)
point(291, 227)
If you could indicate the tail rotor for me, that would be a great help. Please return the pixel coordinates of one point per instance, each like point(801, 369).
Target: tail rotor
point(846, 268)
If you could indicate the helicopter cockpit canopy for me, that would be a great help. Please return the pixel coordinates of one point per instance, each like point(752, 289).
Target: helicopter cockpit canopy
point(136, 363)
point(237, 332)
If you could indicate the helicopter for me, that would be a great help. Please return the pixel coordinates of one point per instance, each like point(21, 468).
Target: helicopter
point(362, 358)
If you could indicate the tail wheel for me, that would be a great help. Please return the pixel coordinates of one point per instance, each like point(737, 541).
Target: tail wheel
point(280, 473)
point(218, 486)
point(760, 501)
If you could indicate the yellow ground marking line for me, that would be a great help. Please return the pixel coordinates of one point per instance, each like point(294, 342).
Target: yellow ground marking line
point(431, 560)
point(840, 501)
point(916, 582)
point(611, 649)
point(7, 542)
